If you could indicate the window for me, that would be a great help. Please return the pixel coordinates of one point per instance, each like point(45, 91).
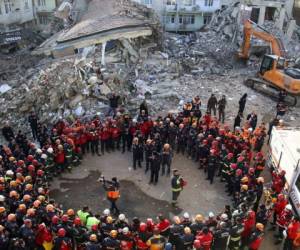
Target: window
point(170, 19)
point(41, 2)
point(188, 2)
point(206, 18)
point(187, 19)
point(43, 20)
point(209, 2)
point(26, 6)
point(147, 2)
point(171, 2)
point(7, 6)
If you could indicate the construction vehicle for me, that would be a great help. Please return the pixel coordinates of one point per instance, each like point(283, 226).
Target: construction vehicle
point(284, 154)
point(274, 74)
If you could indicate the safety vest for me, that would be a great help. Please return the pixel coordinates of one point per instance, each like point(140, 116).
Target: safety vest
point(113, 194)
point(91, 221)
point(82, 216)
point(176, 184)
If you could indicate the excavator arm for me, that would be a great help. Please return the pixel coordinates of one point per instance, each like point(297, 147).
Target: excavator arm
point(250, 31)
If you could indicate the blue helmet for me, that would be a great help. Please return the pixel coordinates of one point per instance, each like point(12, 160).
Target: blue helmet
point(168, 246)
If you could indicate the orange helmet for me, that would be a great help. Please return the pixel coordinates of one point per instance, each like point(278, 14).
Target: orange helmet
point(70, 212)
point(11, 217)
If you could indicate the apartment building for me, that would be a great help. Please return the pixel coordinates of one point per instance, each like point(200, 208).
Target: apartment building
point(183, 15)
point(43, 11)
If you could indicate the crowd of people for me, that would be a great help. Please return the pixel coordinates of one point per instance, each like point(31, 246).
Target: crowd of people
point(29, 219)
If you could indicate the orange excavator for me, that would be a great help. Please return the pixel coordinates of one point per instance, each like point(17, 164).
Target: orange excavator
point(274, 74)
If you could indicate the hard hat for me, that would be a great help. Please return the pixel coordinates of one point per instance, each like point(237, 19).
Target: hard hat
point(260, 180)
point(288, 207)
point(2, 198)
point(44, 156)
point(244, 187)
point(42, 226)
point(199, 218)
point(251, 171)
point(64, 218)
point(113, 233)
point(61, 232)
point(168, 246)
point(13, 184)
point(41, 198)
point(31, 168)
point(238, 172)
point(22, 206)
point(176, 220)
point(30, 158)
point(26, 197)
point(281, 197)
point(93, 237)
point(70, 212)
point(260, 226)
point(55, 219)
point(244, 179)
point(197, 244)
point(11, 217)
point(143, 227)
point(230, 155)
point(186, 215)
point(28, 178)
point(187, 230)
point(20, 163)
point(233, 166)
point(2, 210)
point(11, 158)
point(122, 217)
point(94, 227)
point(211, 215)
point(109, 219)
point(240, 158)
point(77, 221)
point(50, 150)
point(9, 172)
point(27, 221)
point(40, 172)
point(125, 230)
point(224, 217)
point(35, 162)
point(13, 194)
point(31, 211)
point(39, 151)
point(36, 203)
point(106, 212)
point(250, 129)
point(49, 208)
point(28, 186)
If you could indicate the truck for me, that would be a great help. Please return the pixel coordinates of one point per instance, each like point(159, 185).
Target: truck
point(284, 154)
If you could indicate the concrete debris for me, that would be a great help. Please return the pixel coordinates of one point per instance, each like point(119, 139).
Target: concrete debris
point(4, 88)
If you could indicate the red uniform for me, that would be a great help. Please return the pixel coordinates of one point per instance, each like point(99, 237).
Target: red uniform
point(60, 157)
point(257, 238)
point(277, 182)
point(163, 226)
point(141, 244)
point(115, 132)
point(104, 135)
point(284, 218)
point(293, 229)
point(249, 224)
point(205, 240)
point(279, 206)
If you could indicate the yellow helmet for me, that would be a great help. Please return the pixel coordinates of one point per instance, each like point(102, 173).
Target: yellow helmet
point(199, 218)
point(244, 179)
point(244, 187)
point(260, 226)
point(113, 233)
point(187, 230)
point(109, 219)
point(93, 237)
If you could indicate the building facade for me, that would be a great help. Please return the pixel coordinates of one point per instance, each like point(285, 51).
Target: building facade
point(43, 11)
point(16, 13)
point(183, 15)
point(296, 11)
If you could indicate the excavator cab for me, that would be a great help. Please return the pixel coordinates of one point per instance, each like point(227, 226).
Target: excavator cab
point(272, 62)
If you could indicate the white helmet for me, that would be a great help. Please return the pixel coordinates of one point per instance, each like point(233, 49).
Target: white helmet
point(44, 156)
point(50, 150)
point(106, 212)
point(211, 215)
point(224, 217)
point(9, 172)
point(288, 207)
point(2, 198)
point(134, 120)
point(39, 151)
point(186, 215)
point(125, 230)
point(122, 217)
point(250, 129)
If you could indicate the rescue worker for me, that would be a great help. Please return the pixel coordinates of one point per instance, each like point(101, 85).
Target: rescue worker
point(61, 241)
point(187, 239)
point(221, 108)
point(83, 214)
point(212, 165)
point(126, 239)
point(111, 242)
point(221, 236)
point(235, 234)
point(177, 186)
point(283, 220)
point(175, 231)
point(291, 233)
point(142, 237)
point(149, 148)
point(256, 237)
point(212, 104)
point(167, 155)
point(94, 138)
point(163, 225)
point(206, 238)
point(113, 193)
point(33, 122)
point(137, 152)
point(93, 243)
point(242, 104)
point(155, 167)
point(157, 241)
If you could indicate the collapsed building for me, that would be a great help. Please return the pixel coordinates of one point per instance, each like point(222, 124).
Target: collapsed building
point(122, 49)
